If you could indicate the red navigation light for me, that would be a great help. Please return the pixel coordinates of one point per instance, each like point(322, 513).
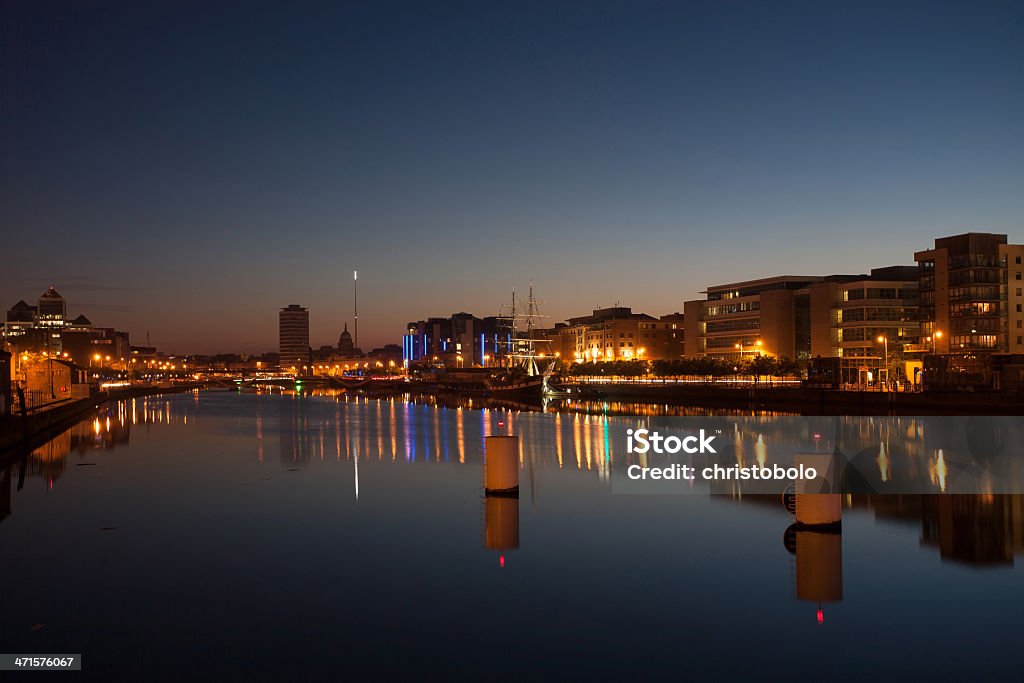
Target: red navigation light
point(501, 423)
point(501, 563)
point(821, 616)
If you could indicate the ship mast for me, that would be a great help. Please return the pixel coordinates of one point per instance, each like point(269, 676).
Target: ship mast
point(521, 342)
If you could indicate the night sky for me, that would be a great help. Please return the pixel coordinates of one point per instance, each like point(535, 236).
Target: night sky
point(187, 168)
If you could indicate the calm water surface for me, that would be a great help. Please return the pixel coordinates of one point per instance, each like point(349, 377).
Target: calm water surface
point(315, 538)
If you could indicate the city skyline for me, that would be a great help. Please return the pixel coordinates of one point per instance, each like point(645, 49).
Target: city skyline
point(166, 165)
point(315, 341)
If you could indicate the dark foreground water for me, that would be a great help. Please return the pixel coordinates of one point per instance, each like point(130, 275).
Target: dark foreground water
point(256, 537)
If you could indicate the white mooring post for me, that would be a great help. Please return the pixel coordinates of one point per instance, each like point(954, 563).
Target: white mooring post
point(501, 465)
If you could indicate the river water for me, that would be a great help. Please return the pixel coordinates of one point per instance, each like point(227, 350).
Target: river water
point(311, 537)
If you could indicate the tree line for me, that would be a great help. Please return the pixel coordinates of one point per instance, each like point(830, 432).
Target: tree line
point(689, 368)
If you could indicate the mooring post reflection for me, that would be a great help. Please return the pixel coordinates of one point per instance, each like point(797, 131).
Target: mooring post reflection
point(816, 539)
point(819, 565)
point(501, 524)
point(501, 493)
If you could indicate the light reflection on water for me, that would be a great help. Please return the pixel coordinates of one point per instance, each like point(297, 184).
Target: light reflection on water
point(223, 522)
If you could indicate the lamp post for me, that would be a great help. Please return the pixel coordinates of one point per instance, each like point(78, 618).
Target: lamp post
point(885, 340)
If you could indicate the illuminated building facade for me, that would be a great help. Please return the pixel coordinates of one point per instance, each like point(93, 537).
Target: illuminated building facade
point(972, 294)
point(45, 328)
point(293, 336)
point(861, 319)
point(870, 322)
point(52, 309)
point(462, 340)
point(769, 316)
point(618, 333)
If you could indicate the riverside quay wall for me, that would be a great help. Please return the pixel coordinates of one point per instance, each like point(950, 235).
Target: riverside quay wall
point(813, 401)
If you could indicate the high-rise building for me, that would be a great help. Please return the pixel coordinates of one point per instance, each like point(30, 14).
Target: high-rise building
point(972, 294)
point(52, 309)
point(293, 332)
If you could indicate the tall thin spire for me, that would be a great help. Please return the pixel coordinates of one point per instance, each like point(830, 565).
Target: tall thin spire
point(355, 307)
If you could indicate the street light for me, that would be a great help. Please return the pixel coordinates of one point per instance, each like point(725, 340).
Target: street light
point(935, 336)
point(885, 339)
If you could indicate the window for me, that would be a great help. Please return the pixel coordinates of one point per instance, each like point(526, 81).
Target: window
point(1020, 340)
point(1020, 324)
point(1017, 260)
point(1020, 308)
point(1018, 291)
point(1017, 275)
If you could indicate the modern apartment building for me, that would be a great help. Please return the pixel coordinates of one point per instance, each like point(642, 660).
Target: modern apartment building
point(870, 323)
point(620, 334)
point(461, 340)
point(972, 294)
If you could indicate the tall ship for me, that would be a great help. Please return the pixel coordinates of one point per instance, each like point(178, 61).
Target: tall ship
point(519, 374)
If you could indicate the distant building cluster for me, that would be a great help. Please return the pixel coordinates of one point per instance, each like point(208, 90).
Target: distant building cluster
point(958, 313)
point(45, 328)
point(295, 356)
point(464, 340)
point(44, 352)
point(461, 340)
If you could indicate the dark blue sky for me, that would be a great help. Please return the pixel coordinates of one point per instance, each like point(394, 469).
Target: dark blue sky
point(187, 168)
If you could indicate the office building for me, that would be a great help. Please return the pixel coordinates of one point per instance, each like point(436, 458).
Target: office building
point(52, 310)
point(769, 316)
point(293, 334)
